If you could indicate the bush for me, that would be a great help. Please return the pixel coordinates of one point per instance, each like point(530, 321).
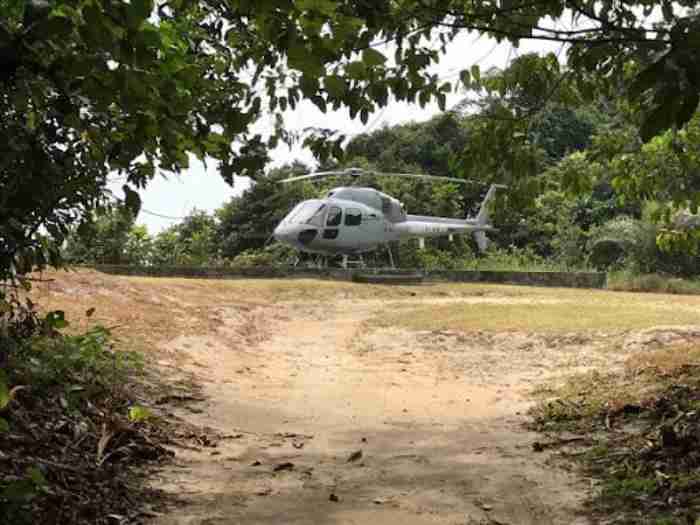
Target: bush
point(630, 281)
point(510, 259)
point(46, 361)
point(274, 255)
point(67, 379)
point(518, 259)
point(624, 242)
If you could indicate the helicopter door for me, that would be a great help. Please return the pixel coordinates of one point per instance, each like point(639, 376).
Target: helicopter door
point(333, 219)
point(362, 230)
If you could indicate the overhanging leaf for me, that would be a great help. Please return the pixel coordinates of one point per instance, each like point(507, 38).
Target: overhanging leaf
point(647, 78)
point(4, 391)
point(56, 320)
point(372, 57)
point(138, 414)
point(659, 119)
point(35, 474)
point(476, 73)
point(132, 200)
point(141, 9)
point(688, 108)
point(335, 86)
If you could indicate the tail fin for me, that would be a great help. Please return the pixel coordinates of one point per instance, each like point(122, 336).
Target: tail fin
point(482, 218)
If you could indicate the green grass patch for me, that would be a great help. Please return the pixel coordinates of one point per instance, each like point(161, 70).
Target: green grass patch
point(654, 283)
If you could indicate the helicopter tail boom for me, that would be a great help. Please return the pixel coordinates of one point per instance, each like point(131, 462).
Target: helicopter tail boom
point(424, 226)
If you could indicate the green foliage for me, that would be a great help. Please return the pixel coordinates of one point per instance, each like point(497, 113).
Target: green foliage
point(496, 259)
point(195, 240)
point(15, 494)
point(246, 222)
point(434, 258)
point(624, 240)
point(4, 391)
point(73, 361)
point(520, 259)
point(109, 236)
point(628, 488)
point(275, 255)
point(138, 246)
point(629, 280)
point(76, 372)
point(138, 414)
point(560, 130)
point(430, 147)
point(92, 87)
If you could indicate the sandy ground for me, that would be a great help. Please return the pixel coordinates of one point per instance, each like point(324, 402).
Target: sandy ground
point(314, 413)
point(298, 391)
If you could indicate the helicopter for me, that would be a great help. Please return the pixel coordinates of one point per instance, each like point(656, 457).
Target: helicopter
point(350, 221)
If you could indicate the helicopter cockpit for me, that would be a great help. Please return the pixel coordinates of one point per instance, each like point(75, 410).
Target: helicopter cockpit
point(307, 212)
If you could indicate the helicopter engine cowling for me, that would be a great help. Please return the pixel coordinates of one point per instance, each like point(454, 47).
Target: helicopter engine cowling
point(391, 208)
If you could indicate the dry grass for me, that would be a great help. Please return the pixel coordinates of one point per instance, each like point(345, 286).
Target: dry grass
point(641, 426)
point(149, 310)
point(643, 377)
point(560, 310)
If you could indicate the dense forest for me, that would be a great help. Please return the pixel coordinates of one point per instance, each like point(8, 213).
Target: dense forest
point(582, 191)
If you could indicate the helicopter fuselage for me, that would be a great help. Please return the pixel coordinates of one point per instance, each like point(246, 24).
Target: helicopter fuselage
point(333, 227)
point(355, 220)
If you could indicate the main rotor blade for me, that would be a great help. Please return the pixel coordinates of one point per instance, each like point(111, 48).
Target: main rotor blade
point(315, 175)
point(356, 172)
point(425, 177)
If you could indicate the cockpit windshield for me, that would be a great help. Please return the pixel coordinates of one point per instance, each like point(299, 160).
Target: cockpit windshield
point(310, 212)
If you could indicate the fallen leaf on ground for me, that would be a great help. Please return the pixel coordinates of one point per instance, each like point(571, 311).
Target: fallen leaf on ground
point(355, 456)
point(284, 466)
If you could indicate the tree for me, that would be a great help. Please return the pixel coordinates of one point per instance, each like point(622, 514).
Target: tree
point(166, 248)
point(92, 87)
point(139, 246)
point(110, 236)
point(196, 239)
point(430, 147)
point(89, 87)
point(247, 221)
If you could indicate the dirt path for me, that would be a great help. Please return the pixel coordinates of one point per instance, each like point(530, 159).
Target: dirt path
point(296, 390)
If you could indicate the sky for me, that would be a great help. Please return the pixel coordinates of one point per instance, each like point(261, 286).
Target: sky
point(166, 200)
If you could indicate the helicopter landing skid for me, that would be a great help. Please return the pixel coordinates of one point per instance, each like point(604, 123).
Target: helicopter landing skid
point(358, 262)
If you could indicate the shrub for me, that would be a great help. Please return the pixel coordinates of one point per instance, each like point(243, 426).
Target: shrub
point(626, 242)
point(274, 255)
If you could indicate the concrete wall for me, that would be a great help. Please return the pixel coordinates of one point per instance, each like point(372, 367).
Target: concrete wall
point(385, 276)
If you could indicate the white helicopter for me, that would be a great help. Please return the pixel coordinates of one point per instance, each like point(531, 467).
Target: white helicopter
point(350, 221)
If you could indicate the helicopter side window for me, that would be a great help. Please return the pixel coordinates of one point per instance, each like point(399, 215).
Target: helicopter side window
point(335, 215)
point(386, 205)
point(353, 217)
